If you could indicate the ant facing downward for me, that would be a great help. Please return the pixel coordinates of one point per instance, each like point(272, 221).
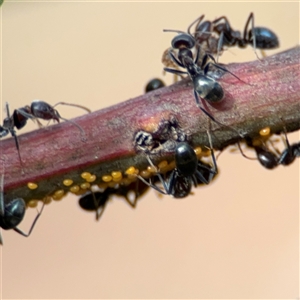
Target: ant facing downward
point(188, 170)
point(12, 213)
point(37, 109)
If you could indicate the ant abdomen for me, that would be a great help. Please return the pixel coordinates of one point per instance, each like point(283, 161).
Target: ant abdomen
point(186, 159)
point(266, 158)
point(208, 89)
point(14, 212)
point(264, 38)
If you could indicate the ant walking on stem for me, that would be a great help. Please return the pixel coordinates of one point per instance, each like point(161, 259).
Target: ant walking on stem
point(188, 169)
point(205, 87)
point(259, 37)
point(37, 109)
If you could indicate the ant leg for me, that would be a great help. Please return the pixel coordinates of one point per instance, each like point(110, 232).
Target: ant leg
point(159, 176)
point(221, 124)
point(13, 133)
point(214, 171)
point(30, 116)
point(251, 18)
point(219, 67)
point(66, 120)
point(98, 215)
point(177, 72)
point(197, 55)
point(136, 196)
point(97, 206)
point(25, 114)
point(198, 21)
point(175, 59)
point(75, 105)
point(2, 204)
point(132, 204)
point(220, 45)
point(203, 110)
point(32, 226)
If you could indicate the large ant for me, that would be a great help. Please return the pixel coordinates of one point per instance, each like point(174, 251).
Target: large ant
point(94, 201)
point(205, 87)
point(12, 213)
point(188, 170)
point(259, 37)
point(37, 109)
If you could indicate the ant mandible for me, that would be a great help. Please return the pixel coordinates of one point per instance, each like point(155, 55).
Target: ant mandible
point(12, 213)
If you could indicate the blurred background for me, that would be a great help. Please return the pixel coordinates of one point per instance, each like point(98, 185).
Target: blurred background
point(236, 238)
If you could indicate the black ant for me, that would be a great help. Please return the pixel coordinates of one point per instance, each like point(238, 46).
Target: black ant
point(154, 84)
point(188, 170)
point(259, 37)
point(271, 160)
point(94, 201)
point(37, 109)
point(12, 214)
point(205, 87)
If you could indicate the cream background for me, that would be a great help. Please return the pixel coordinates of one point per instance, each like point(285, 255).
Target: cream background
point(237, 238)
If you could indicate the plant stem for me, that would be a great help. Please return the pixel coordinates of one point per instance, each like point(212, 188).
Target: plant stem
point(50, 155)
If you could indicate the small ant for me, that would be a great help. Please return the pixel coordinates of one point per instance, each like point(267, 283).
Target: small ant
point(205, 87)
point(37, 109)
point(12, 213)
point(259, 37)
point(154, 84)
point(271, 160)
point(188, 170)
point(94, 201)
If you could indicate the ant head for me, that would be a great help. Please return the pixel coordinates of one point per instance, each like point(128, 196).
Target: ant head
point(183, 40)
point(43, 110)
point(182, 187)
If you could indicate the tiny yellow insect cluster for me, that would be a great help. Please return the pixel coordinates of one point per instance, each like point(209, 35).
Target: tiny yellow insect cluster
point(112, 180)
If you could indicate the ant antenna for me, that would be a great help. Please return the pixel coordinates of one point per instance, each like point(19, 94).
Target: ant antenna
point(75, 105)
point(66, 120)
point(174, 30)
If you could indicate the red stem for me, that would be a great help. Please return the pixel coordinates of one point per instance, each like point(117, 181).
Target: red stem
point(60, 152)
